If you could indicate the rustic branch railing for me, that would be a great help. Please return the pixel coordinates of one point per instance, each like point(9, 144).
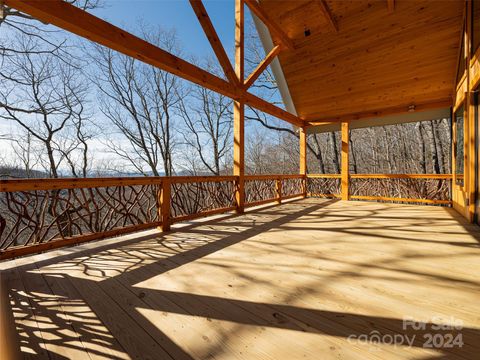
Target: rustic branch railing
point(42, 214)
point(406, 188)
point(324, 185)
point(192, 198)
point(262, 189)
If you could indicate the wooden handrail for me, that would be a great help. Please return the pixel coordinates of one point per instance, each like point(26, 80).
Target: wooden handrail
point(12, 185)
point(324, 176)
point(402, 176)
point(194, 179)
point(384, 176)
point(73, 183)
point(272, 177)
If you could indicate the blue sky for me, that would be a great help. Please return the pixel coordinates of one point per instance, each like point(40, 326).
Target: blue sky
point(167, 14)
point(176, 14)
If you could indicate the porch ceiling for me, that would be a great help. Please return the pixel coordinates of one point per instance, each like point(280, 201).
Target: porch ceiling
point(377, 60)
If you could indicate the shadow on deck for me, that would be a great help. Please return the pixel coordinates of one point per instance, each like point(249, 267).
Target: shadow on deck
point(294, 281)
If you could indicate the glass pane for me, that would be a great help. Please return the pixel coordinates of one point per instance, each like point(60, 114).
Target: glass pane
point(459, 154)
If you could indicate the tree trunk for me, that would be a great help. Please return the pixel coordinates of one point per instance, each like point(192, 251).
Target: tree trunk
point(439, 142)
point(336, 162)
point(432, 142)
point(423, 160)
point(51, 160)
point(353, 156)
point(318, 154)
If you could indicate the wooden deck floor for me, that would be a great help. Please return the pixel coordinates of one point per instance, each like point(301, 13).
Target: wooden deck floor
point(303, 280)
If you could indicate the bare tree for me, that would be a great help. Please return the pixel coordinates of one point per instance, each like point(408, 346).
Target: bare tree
point(45, 97)
point(265, 155)
point(20, 24)
point(26, 152)
point(207, 118)
point(139, 100)
point(420, 147)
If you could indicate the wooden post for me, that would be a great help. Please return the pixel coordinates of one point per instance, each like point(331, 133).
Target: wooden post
point(278, 188)
point(345, 162)
point(469, 122)
point(239, 110)
point(9, 340)
point(164, 203)
point(238, 154)
point(303, 159)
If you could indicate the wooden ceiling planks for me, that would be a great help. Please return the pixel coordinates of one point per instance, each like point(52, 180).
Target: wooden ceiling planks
point(328, 14)
point(377, 60)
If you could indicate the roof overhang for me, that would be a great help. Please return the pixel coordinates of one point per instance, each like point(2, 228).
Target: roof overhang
point(409, 117)
point(277, 71)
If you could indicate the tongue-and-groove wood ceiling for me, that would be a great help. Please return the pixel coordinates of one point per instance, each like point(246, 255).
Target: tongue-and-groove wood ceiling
point(378, 59)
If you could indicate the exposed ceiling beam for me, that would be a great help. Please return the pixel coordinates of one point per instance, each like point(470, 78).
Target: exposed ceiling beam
point(391, 6)
point(328, 14)
point(275, 30)
point(80, 22)
point(271, 109)
point(214, 40)
point(262, 66)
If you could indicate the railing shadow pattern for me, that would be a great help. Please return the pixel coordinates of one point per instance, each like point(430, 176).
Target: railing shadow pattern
point(41, 214)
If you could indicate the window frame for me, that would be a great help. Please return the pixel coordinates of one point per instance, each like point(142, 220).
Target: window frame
point(461, 107)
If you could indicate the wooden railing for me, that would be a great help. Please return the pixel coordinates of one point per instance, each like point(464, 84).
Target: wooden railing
point(406, 188)
point(42, 214)
point(324, 185)
point(262, 189)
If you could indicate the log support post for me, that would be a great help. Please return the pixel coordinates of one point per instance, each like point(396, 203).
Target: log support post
point(164, 204)
point(303, 160)
point(239, 110)
point(238, 154)
point(345, 162)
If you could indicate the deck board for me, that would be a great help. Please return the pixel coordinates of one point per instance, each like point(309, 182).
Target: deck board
point(283, 282)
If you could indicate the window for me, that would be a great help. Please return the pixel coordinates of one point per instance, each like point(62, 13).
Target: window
point(459, 148)
point(475, 25)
